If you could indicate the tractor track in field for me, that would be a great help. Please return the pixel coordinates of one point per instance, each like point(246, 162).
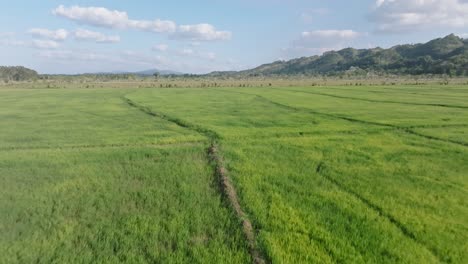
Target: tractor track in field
point(439, 126)
point(378, 101)
point(228, 191)
point(187, 143)
point(406, 130)
point(412, 132)
point(414, 88)
point(104, 146)
point(321, 167)
point(403, 129)
point(395, 92)
point(307, 134)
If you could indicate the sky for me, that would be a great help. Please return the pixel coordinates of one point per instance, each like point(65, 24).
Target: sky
point(200, 36)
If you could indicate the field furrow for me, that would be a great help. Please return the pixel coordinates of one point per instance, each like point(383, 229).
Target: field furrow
point(404, 129)
point(379, 101)
point(405, 230)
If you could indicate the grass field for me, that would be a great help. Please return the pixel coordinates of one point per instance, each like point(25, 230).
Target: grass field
point(325, 174)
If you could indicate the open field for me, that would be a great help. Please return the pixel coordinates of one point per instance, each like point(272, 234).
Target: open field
point(324, 174)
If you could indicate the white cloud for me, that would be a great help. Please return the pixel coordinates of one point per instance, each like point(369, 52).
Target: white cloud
point(319, 41)
point(103, 17)
point(410, 15)
point(187, 52)
point(45, 44)
point(96, 16)
point(57, 35)
point(9, 39)
point(200, 32)
point(158, 26)
point(87, 35)
point(160, 47)
point(330, 34)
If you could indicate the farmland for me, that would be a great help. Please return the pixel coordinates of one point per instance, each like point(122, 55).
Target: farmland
point(323, 174)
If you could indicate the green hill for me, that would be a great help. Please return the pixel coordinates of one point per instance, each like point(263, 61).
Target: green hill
point(448, 55)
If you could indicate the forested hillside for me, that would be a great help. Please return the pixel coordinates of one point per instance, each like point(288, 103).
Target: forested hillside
point(447, 55)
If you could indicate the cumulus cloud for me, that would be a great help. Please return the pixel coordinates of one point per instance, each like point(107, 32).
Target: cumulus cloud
point(9, 39)
point(87, 35)
point(57, 35)
point(44, 44)
point(158, 26)
point(160, 47)
point(103, 17)
point(409, 15)
point(200, 32)
point(319, 41)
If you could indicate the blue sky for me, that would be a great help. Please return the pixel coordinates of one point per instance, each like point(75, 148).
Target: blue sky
point(207, 35)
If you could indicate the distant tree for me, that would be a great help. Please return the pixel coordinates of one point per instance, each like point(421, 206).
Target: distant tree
point(17, 74)
point(156, 75)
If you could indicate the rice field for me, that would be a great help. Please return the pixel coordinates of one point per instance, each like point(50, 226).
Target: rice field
point(322, 174)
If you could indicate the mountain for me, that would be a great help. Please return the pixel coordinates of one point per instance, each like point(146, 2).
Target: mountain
point(161, 72)
point(17, 73)
point(448, 55)
point(144, 73)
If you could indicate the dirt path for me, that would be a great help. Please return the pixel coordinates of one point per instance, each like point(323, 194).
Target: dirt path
point(230, 193)
point(228, 190)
